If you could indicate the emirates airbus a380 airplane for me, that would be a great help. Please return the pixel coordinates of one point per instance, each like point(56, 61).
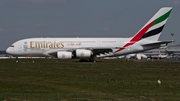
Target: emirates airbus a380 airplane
point(89, 48)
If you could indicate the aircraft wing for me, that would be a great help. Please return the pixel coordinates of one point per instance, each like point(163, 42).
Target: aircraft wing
point(96, 51)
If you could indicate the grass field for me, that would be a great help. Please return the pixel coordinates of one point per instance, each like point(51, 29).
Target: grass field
point(53, 80)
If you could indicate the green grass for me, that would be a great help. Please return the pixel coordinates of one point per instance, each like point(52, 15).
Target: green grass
point(50, 79)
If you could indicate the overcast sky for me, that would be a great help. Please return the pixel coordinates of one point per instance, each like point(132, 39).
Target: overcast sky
point(81, 18)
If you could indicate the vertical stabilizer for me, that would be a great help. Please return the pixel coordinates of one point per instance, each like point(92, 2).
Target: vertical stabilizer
point(153, 28)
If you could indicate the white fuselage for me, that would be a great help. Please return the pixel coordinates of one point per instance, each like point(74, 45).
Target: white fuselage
point(43, 46)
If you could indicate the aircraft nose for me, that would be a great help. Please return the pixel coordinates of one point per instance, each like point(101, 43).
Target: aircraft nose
point(9, 50)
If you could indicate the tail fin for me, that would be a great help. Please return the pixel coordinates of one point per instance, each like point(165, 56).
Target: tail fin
point(153, 28)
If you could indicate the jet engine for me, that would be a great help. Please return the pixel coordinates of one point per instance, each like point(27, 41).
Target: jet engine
point(64, 55)
point(83, 53)
point(141, 56)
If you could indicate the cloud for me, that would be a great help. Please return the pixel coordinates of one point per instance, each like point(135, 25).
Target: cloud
point(176, 2)
point(46, 1)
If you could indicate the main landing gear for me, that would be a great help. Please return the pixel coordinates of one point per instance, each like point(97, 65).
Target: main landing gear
point(17, 60)
point(87, 60)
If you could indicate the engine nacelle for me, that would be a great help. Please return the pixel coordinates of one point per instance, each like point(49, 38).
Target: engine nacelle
point(82, 53)
point(138, 56)
point(64, 55)
point(141, 56)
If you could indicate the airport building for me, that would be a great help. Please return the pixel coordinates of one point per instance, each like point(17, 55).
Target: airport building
point(172, 51)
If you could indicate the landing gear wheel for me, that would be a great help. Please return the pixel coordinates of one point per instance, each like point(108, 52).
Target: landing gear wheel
point(17, 60)
point(87, 60)
point(92, 60)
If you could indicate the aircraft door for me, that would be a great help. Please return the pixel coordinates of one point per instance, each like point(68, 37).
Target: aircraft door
point(98, 42)
point(120, 43)
point(129, 48)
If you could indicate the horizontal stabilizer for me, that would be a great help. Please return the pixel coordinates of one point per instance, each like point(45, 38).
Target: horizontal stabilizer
point(157, 43)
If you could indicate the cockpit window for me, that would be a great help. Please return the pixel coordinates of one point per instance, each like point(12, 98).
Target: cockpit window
point(12, 45)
